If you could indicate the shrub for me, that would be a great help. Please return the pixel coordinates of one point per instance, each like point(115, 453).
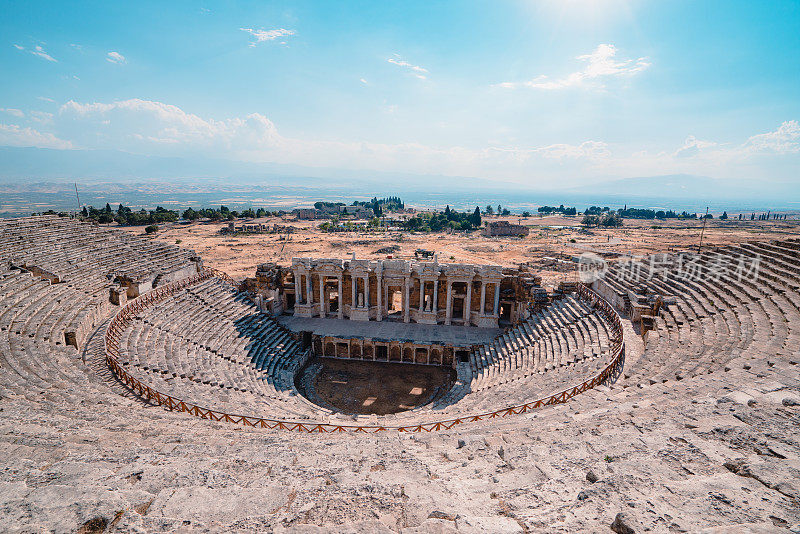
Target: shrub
point(153, 228)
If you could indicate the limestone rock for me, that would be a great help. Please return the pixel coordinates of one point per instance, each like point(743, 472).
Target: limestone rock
point(623, 524)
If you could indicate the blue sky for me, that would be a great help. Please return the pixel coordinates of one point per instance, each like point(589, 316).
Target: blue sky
point(535, 92)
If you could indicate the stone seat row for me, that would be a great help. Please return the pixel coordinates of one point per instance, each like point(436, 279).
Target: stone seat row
point(36, 364)
point(209, 345)
point(71, 249)
point(562, 334)
point(721, 315)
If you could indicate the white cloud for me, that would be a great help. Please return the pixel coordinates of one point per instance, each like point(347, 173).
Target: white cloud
point(13, 135)
point(592, 150)
point(148, 127)
point(13, 111)
point(41, 116)
point(140, 123)
point(115, 57)
point(46, 99)
point(267, 35)
point(692, 147)
point(155, 128)
point(419, 72)
point(600, 64)
point(39, 51)
point(362, 80)
point(784, 140)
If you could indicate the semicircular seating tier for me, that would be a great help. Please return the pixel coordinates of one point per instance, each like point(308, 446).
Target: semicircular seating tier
point(209, 345)
point(56, 278)
point(728, 306)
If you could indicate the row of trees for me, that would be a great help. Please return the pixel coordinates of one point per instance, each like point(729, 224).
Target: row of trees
point(608, 219)
point(488, 210)
point(380, 206)
point(446, 220)
point(223, 213)
point(637, 213)
point(561, 209)
point(127, 216)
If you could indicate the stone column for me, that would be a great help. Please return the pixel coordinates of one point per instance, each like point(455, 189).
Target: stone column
point(353, 293)
point(298, 291)
point(483, 297)
point(379, 288)
point(449, 308)
point(309, 297)
point(406, 300)
point(366, 293)
point(340, 299)
point(468, 304)
point(497, 299)
point(322, 295)
point(421, 295)
point(435, 306)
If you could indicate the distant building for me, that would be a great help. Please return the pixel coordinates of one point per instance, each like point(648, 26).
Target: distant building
point(505, 229)
point(306, 213)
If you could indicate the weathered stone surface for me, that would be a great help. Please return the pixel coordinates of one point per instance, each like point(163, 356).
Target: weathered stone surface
point(76, 445)
point(623, 524)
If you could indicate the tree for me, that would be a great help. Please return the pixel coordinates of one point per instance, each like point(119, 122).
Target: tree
point(476, 217)
point(612, 220)
point(108, 207)
point(153, 228)
point(499, 209)
point(85, 212)
point(590, 220)
point(724, 215)
point(526, 214)
point(489, 210)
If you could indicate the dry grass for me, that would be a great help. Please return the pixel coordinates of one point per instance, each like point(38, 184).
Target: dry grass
point(550, 236)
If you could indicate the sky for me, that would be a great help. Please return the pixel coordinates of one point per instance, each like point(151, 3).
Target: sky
point(538, 93)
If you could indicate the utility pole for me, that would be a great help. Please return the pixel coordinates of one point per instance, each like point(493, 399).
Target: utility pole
point(702, 231)
point(76, 196)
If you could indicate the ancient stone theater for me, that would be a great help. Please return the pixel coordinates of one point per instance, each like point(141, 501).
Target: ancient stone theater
point(142, 390)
